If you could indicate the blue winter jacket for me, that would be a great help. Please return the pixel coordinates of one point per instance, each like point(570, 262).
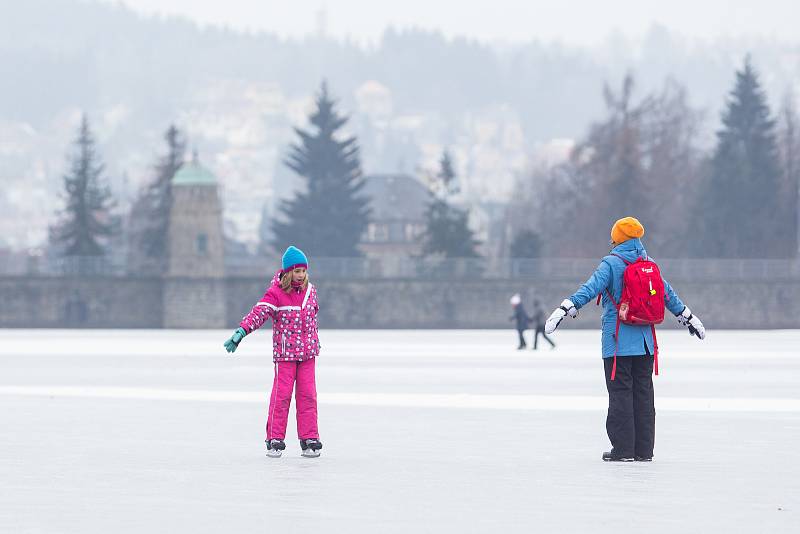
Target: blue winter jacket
point(633, 340)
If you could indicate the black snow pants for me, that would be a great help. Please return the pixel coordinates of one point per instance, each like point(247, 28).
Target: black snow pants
point(631, 421)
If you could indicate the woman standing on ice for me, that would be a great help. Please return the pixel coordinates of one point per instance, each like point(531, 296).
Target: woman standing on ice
point(631, 421)
point(291, 303)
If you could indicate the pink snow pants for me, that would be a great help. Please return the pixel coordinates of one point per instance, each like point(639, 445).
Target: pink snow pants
point(286, 374)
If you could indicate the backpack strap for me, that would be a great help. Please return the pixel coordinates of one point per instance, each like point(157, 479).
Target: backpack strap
point(623, 259)
point(616, 329)
point(608, 291)
point(610, 296)
point(600, 295)
point(655, 349)
point(643, 258)
point(616, 347)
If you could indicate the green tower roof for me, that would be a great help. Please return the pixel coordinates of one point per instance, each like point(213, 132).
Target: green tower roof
point(192, 173)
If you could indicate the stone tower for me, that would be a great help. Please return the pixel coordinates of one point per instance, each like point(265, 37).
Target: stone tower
point(194, 295)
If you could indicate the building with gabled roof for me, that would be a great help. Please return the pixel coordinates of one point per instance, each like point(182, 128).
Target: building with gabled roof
point(397, 223)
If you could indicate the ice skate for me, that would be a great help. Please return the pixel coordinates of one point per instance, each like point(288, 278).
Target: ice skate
point(611, 457)
point(275, 448)
point(311, 447)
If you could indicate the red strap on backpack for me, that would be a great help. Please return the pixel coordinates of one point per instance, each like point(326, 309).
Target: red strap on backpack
point(623, 259)
point(616, 346)
point(655, 348)
point(600, 295)
point(616, 334)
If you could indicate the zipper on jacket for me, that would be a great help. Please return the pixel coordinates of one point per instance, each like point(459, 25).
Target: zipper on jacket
point(283, 344)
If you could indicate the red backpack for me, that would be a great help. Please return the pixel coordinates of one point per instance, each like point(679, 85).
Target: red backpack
point(642, 301)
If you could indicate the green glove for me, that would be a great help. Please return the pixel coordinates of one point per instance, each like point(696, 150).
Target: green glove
point(235, 339)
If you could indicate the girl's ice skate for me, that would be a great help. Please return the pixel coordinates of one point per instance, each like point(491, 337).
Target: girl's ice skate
point(311, 447)
point(275, 448)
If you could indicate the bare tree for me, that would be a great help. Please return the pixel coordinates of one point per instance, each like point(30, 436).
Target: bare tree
point(673, 163)
point(640, 160)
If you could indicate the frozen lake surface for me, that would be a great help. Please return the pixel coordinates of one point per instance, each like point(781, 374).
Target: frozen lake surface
point(423, 431)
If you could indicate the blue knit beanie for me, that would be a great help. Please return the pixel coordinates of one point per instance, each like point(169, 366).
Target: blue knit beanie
point(293, 257)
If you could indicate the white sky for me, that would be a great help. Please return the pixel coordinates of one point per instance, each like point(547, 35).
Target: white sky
point(581, 22)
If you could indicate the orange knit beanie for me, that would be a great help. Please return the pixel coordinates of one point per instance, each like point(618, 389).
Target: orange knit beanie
point(626, 228)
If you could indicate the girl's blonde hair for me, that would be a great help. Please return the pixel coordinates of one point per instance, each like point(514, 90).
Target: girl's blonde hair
point(286, 281)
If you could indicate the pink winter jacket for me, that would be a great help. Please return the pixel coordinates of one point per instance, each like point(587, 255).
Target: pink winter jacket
point(294, 321)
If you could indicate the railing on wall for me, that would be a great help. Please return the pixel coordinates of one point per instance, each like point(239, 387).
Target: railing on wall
point(34, 264)
point(507, 268)
point(423, 268)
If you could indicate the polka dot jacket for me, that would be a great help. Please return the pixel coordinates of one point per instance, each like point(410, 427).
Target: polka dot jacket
point(294, 321)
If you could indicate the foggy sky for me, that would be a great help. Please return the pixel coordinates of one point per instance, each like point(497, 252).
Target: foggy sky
point(580, 22)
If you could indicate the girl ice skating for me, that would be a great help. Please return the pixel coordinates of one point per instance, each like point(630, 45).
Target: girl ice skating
point(291, 303)
point(629, 344)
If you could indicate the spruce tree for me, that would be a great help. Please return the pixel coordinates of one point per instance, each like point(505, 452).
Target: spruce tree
point(526, 244)
point(150, 213)
point(447, 231)
point(86, 222)
point(789, 146)
point(742, 213)
point(328, 217)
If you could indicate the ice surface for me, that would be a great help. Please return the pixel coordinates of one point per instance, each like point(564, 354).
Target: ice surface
point(423, 431)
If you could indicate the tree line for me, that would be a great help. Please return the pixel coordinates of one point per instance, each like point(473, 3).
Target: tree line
point(328, 215)
point(738, 200)
point(643, 158)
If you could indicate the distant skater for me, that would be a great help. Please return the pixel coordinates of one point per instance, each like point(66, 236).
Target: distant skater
point(291, 303)
point(521, 318)
point(538, 324)
point(634, 295)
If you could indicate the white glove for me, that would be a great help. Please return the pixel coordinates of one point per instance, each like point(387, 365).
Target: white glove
point(566, 308)
point(694, 324)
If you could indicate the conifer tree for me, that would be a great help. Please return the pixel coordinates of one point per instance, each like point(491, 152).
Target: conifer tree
point(86, 223)
point(150, 212)
point(329, 216)
point(447, 231)
point(789, 146)
point(743, 199)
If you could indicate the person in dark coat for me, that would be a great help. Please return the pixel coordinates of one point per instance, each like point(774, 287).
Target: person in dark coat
point(522, 319)
point(538, 323)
